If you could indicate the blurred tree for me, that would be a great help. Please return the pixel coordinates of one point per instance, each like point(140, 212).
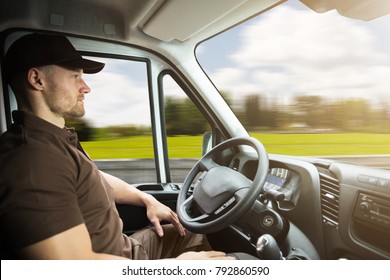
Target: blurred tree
point(252, 111)
point(227, 98)
point(83, 129)
point(311, 108)
point(172, 114)
point(182, 117)
point(351, 114)
point(260, 113)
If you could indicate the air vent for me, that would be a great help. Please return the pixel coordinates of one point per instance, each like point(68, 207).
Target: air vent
point(236, 164)
point(330, 191)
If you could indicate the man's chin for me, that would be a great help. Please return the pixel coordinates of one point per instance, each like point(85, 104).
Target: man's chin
point(75, 115)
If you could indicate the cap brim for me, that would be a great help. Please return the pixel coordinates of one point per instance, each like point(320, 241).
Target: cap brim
point(88, 66)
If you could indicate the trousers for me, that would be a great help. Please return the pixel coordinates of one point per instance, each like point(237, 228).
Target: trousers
point(147, 245)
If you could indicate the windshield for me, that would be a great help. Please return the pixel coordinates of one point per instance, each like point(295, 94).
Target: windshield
point(306, 83)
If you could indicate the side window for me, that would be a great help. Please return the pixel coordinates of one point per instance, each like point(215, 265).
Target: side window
point(117, 122)
point(185, 126)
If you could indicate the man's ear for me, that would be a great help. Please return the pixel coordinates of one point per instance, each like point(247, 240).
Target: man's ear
point(34, 78)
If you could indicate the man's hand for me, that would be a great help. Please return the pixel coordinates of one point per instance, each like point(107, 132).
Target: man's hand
point(157, 212)
point(205, 255)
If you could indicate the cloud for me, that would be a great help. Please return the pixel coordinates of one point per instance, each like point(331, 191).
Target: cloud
point(234, 80)
point(288, 51)
point(116, 99)
point(304, 38)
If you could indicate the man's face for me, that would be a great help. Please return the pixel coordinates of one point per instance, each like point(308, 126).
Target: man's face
point(65, 91)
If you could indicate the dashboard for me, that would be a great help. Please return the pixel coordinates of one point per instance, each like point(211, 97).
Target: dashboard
point(343, 209)
point(328, 209)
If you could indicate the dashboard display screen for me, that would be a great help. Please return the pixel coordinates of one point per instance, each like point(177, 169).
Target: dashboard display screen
point(276, 180)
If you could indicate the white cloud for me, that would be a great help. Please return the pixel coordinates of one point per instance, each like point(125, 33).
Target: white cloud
point(234, 79)
point(288, 51)
point(304, 38)
point(116, 99)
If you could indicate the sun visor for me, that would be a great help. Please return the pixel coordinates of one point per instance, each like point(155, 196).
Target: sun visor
point(356, 9)
point(202, 17)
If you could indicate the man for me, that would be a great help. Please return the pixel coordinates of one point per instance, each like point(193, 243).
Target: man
point(54, 202)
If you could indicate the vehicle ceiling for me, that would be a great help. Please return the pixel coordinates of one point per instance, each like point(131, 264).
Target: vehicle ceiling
point(182, 22)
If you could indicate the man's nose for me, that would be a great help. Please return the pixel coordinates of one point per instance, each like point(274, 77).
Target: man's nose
point(85, 88)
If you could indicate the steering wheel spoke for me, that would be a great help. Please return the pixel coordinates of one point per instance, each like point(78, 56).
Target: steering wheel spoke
point(188, 208)
point(207, 163)
point(225, 205)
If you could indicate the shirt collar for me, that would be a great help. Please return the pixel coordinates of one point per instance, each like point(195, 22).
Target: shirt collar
point(31, 120)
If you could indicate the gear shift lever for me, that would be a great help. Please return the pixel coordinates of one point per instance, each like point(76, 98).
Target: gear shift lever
point(267, 248)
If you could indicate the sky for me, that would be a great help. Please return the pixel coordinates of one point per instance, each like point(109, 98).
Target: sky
point(286, 51)
point(291, 50)
point(109, 104)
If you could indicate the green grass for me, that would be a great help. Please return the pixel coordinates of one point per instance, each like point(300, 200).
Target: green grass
point(288, 144)
point(128, 147)
point(326, 144)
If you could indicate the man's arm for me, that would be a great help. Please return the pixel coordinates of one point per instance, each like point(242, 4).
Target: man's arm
point(72, 244)
point(156, 211)
point(126, 193)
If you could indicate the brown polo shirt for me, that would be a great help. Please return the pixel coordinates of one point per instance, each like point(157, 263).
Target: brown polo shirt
point(48, 185)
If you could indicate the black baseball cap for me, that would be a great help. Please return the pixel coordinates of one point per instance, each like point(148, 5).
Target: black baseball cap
point(37, 49)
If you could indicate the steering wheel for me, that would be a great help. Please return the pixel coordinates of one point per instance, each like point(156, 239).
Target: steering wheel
point(221, 194)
